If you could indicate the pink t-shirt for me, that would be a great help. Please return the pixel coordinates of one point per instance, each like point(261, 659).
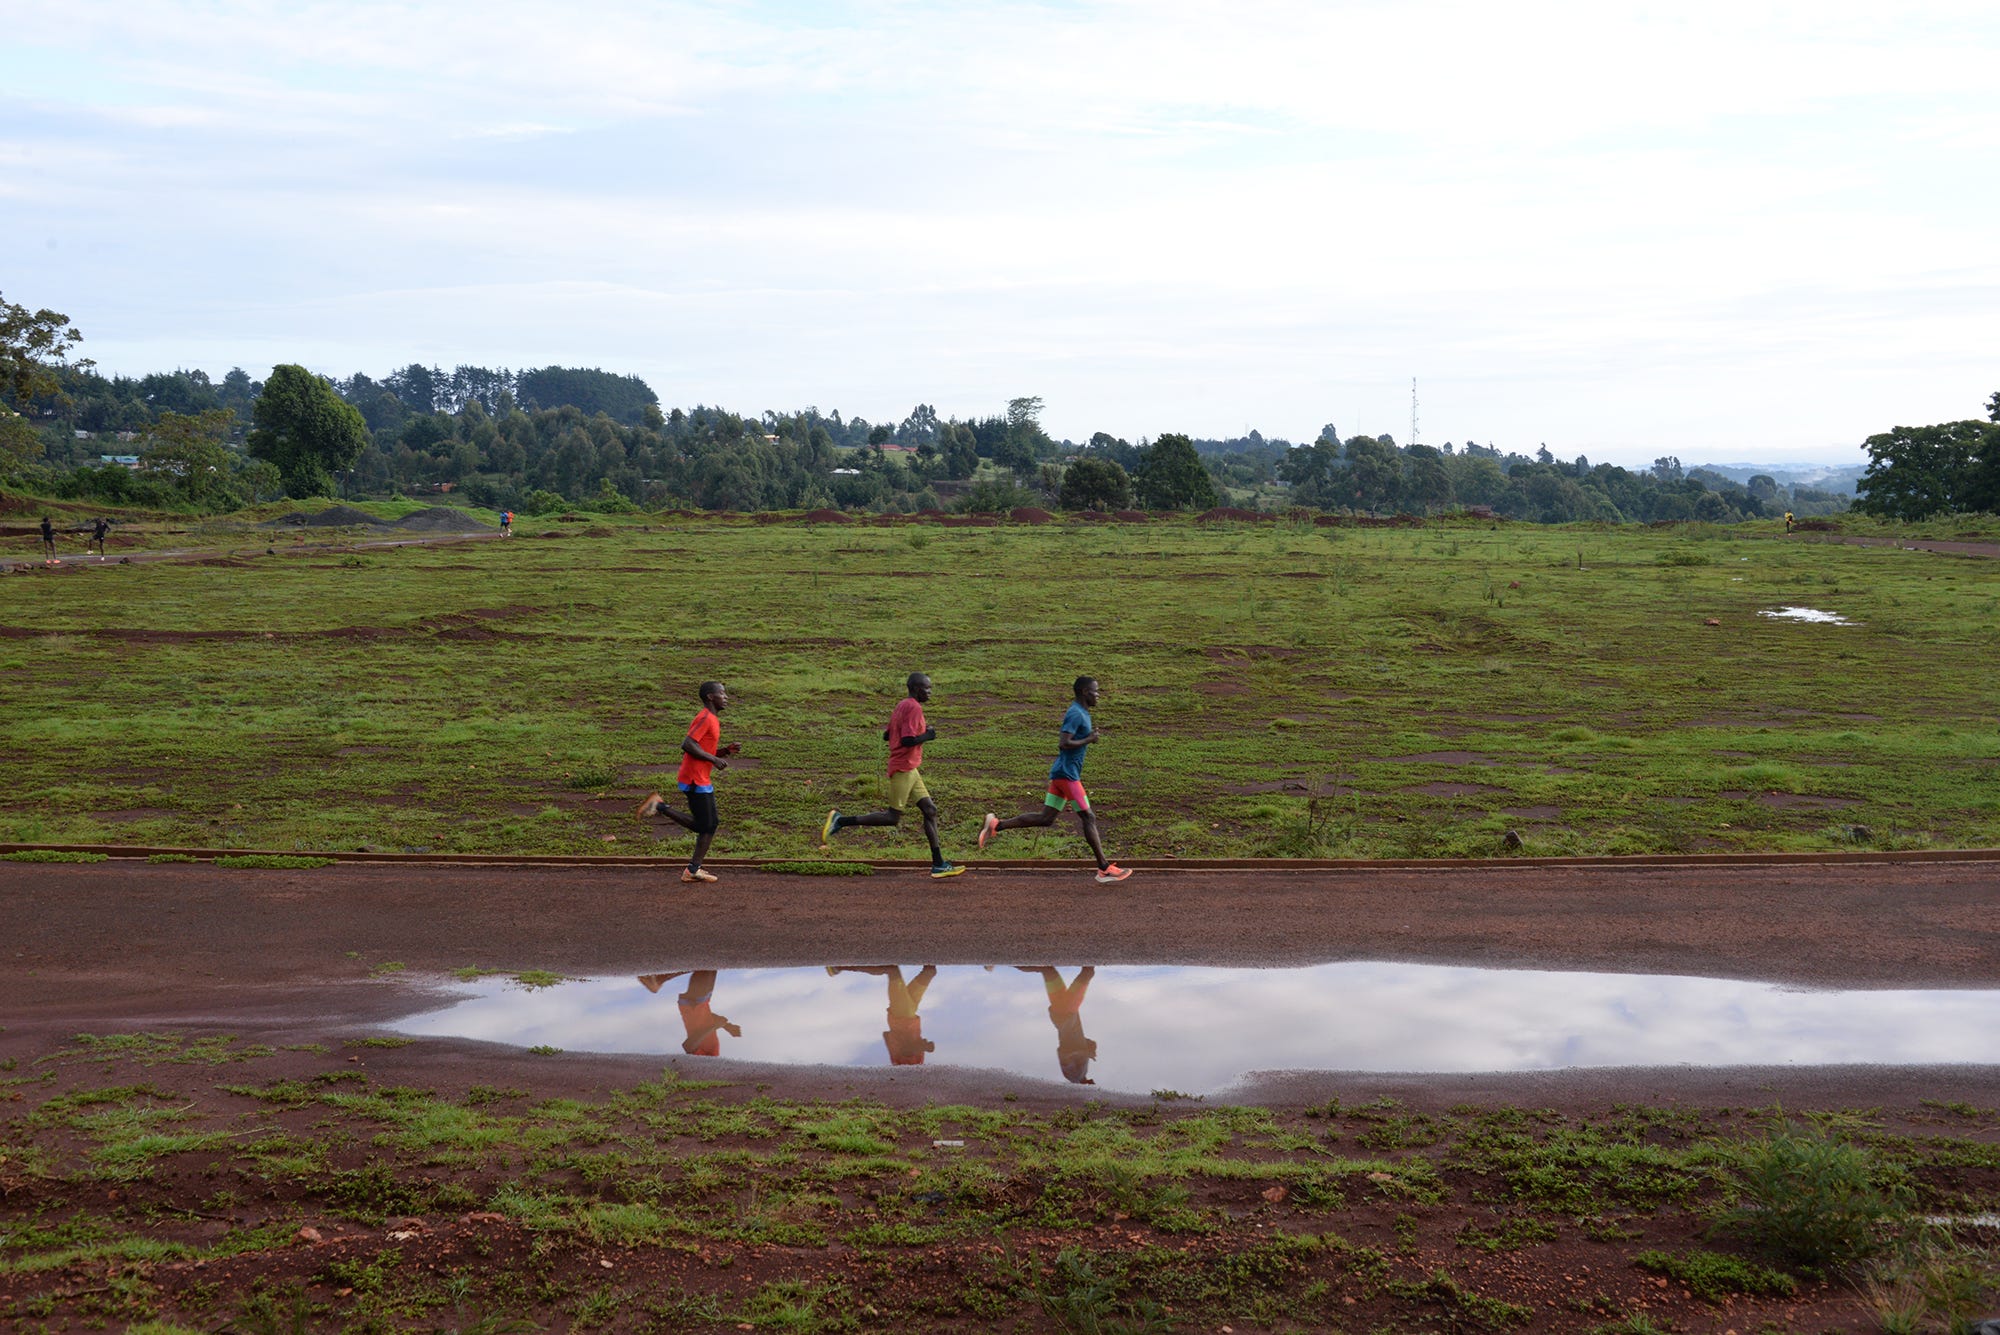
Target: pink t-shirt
point(907, 721)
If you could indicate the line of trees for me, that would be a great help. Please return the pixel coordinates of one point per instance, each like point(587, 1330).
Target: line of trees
point(555, 437)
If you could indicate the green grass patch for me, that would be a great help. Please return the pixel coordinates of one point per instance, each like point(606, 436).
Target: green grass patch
point(1716, 1275)
point(273, 861)
point(1378, 692)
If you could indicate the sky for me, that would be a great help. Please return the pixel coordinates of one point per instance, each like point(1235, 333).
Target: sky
point(1742, 231)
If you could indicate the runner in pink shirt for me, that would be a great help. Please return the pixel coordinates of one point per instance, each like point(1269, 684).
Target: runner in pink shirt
point(907, 732)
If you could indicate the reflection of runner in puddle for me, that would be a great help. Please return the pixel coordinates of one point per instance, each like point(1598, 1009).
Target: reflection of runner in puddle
point(703, 1025)
point(905, 1035)
point(1073, 1049)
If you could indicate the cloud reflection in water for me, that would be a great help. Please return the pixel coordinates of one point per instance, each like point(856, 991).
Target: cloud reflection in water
point(1197, 1030)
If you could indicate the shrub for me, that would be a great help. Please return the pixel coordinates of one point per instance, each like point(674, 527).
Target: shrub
point(1812, 1199)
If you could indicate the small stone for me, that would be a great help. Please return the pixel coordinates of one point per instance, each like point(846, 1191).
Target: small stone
point(1380, 1177)
point(1711, 622)
point(1274, 1194)
point(1511, 839)
point(308, 1234)
point(482, 1217)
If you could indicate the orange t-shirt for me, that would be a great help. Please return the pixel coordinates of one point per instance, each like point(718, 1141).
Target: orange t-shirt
point(707, 732)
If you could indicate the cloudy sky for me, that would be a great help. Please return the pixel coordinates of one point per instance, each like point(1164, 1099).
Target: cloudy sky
point(1726, 231)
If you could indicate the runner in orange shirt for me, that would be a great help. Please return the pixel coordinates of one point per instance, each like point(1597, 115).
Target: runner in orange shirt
point(701, 756)
point(704, 1027)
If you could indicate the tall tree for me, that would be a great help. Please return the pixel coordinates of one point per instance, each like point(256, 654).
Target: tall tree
point(1377, 470)
point(1092, 483)
point(1918, 471)
point(34, 345)
point(188, 452)
point(1174, 478)
point(305, 429)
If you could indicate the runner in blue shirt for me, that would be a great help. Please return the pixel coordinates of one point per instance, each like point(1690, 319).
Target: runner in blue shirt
point(1066, 783)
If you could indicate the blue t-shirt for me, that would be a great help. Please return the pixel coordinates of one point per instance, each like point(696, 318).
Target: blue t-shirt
point(1069, 764)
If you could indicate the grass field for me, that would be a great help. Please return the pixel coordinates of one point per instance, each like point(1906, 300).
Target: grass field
point(1269, 689)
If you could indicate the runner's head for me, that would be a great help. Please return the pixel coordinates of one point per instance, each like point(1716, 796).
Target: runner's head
point(919, 686)
point(715, 695)
point(1086, 691)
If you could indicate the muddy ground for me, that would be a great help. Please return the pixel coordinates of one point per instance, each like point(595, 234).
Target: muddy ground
point(292, 962)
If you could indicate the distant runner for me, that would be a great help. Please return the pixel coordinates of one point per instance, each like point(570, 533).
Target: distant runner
point(48, 537)
point(701, 756)
point(98, 533)
point(506, 523)
point(1788, 521)
point(1066, 783)
point(906, 734)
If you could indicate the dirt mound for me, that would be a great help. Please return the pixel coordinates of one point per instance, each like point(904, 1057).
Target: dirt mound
point(1029, 514)
point(823, 516)
point(334, 516)
point(1133, 516)
point(1230, 512)
point(442, 519)
point(1090, 516)
point(1815, 526)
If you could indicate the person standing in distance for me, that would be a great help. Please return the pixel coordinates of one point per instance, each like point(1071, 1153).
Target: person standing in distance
point(701, 755)
point(906, 734)
point(1066, 783)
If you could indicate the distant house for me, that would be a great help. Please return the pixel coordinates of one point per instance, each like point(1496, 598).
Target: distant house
point(122, 460)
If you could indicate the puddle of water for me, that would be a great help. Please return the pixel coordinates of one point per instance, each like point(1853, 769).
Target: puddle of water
point(1812, 614)
point(1198, 1030)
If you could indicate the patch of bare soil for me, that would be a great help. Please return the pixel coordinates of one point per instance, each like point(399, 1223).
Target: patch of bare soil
point(1442, 789)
